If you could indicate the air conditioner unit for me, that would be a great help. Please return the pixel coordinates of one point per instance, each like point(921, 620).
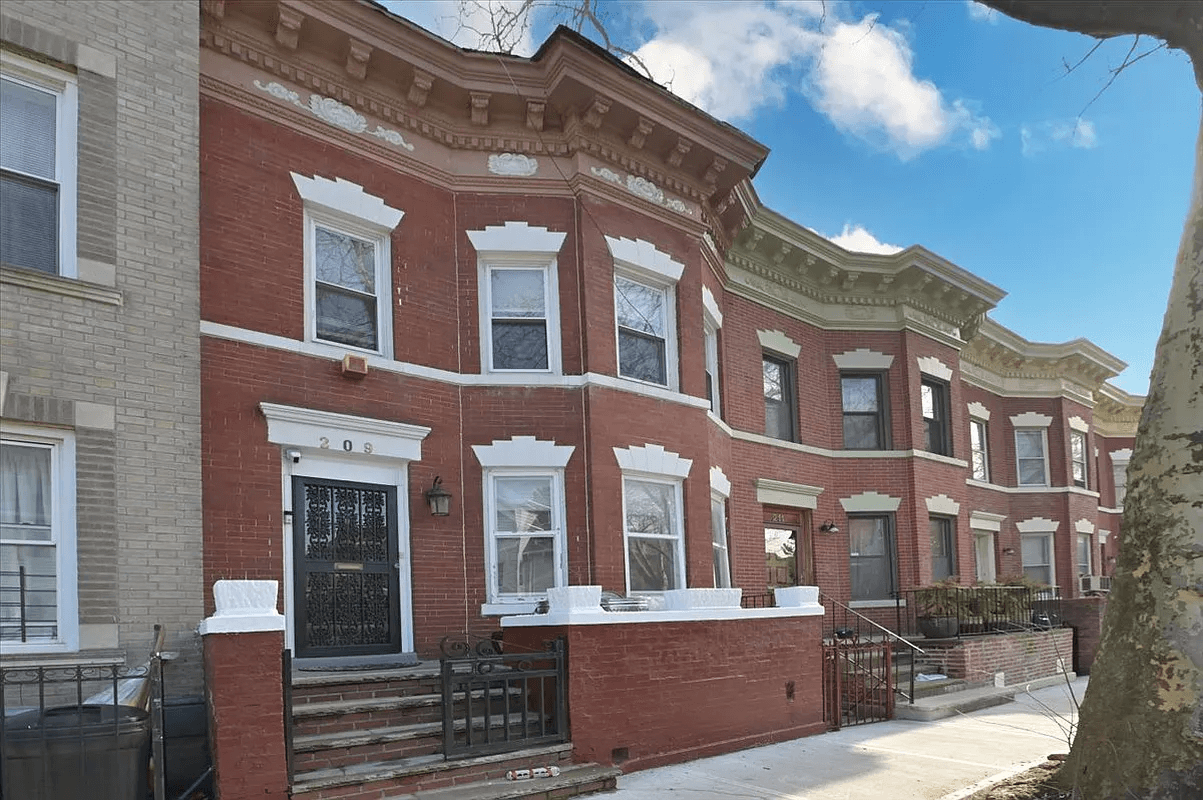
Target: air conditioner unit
point(1096, 583)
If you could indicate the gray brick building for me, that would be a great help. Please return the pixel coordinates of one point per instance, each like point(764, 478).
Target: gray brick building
point(100, 494)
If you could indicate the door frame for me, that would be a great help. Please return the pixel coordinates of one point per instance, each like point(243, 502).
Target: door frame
point(323, 444)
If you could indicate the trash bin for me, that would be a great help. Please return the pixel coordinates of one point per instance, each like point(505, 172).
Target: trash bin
point(186, 745)
point(77, 753)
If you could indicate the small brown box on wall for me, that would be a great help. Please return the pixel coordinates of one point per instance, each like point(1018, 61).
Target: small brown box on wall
point(355, 366)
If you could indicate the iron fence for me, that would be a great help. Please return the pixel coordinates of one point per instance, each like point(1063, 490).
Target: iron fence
point(945, 612)
point(84, 730)
point(28, 606)
point(496, 701)
point(761, 600)
point(872, 656)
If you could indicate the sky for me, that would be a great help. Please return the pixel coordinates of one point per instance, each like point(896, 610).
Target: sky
point(943, 124)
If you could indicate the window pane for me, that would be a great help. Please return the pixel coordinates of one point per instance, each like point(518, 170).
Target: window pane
point(525, 564)
point(718, 532)
point(983, 551)
point(642, 358)
point(26, 511)
point(519, 345)
point(28, 224)
point(1037, 560)
point(653, 564)
point(929, 401)
point(778, 420)
point(1031, 472)
point(1077, 445)
point(871, 559)
point(860, 394)
point(41, 595)
point(523, 504)
point(780, 556)
point(1029, 444)
point(27, 129)
point(346, 318)
point(979, 466)
point(774, 380)
point(345, 261)
point(517, 292)
point(650, 508)
point(860, 432)
point(942, 553)
point(639, 307)
point(1083, 554)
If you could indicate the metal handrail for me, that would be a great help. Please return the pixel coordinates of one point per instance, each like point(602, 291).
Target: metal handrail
point(882, 628)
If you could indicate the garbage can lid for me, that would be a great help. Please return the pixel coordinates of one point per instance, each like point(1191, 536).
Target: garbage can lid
point(68, 719)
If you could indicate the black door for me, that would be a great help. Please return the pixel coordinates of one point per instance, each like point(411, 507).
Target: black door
point(345, 554)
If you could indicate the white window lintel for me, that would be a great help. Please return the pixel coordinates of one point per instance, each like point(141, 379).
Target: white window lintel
point(714, 315)
point(1076, 423)
point(349, 199)
point(771, 492)
point(930, 365)
point(1030, 419)
point(862, 358)
point(652, 459)
point(523, 451)
point(943, 504)
point(778, 342)
point(1038, 525)
point(290, 426)
point(986, 521)
point(642, 257)
point(870, 502)
point(720, 484)
point(979, 411)
point(517, 237)
point(1084, 526)
point(1121, 456)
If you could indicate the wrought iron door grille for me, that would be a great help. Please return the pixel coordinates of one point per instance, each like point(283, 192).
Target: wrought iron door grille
point(495, 702)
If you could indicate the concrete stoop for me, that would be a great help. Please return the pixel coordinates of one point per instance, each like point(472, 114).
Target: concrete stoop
point(946, 704)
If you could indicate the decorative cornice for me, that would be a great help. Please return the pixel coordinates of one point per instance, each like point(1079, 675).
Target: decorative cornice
point(513, 164)
point(333, 112)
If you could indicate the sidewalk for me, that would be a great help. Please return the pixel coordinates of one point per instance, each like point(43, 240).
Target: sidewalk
point(896, 760)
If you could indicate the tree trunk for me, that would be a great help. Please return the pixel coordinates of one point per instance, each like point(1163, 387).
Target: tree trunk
point(1141, 729)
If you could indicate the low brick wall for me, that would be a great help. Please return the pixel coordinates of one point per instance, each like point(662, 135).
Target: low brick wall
point(1085, 616)
point(1020, 656)
point(647, 694)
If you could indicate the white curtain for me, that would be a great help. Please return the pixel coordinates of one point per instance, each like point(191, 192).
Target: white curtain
point(24, 485)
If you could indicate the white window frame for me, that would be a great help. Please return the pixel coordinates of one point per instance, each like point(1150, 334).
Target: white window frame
point(678, 538)
point(518, 245)
point(1085, 462)
point(712, 322)
point(65, 88)
point(1087, 568)
point(560, 564)
point(640, 262)
point(63, 535)
point(344, 207)
point(984, 449)
point(720, 540)
point(1044, 452)
point(980, 535)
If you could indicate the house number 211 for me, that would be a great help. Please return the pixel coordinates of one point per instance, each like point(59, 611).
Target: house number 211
point(348, 445)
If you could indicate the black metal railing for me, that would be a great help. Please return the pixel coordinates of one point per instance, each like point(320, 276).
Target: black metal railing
point(945, 612)
point(28, 606)
point(286, 684)
point(760, 600)
point(497, 699)
point(847, 626)
point(80, 730)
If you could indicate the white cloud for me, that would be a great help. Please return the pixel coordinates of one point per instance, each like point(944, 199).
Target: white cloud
point(980, 13)
point(1077, 133)
point(859, 240)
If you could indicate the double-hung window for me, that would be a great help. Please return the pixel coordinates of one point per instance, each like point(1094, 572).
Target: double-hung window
point(712, 378)
point(645, 331)
point(1077, 457)
point(526, 534)
point(38, 118)
point(936, 428)
point(719, 543)
point(979, 450)
point(1119, 473)
point(1084, 547)
point(943, 547)
point(864, 409)
point(983, 557)
point(518, 319)
point(1031, 456)
point(38, 587)
point(652, 526)
point(348, 276)
point(871, 556)
point(1037, 553)
point(780, 411)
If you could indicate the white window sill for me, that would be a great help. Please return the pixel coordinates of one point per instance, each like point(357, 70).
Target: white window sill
point(57, 284)
point(506, 609)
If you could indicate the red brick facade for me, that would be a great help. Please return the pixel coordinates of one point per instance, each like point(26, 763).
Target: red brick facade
point(256, 348)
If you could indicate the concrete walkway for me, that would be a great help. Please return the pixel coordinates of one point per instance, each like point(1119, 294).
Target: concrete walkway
point(896, 760)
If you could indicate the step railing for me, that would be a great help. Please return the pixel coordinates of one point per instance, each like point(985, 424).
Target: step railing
point(843, 624)
point(499, 699)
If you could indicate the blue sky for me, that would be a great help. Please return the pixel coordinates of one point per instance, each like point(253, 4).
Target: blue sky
point(936, 123)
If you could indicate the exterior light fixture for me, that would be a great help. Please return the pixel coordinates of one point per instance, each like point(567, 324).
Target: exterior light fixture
point(829, 527)
point(438, 498)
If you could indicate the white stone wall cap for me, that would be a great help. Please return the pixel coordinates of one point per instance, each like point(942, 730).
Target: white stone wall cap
point(700, 598)
point(555, 618)
point(796, 596)
point(244, 607)
point(574, 599)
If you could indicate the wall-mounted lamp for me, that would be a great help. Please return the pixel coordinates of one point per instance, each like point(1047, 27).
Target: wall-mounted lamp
point(1008, 551)
point(438, 498)
point(829, 527)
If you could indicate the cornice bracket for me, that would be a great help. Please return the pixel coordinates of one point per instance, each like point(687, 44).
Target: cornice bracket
point(480, 108)
point(358, 53)
point(713, 171)
point(679, 152)
point(597, 111)
point(288, 26)
point(419, 88)
point(534, 114)
point(642, 130)
point(214, 8)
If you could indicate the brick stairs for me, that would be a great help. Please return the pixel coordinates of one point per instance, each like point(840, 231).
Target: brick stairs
point(379, 734)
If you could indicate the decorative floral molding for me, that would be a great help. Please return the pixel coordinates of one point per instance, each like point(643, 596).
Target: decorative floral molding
point(330, 110)
point(514, 164)
point(642, 187)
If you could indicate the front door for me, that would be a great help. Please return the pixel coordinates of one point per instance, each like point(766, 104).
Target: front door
point(788, 548)
point(346, 568)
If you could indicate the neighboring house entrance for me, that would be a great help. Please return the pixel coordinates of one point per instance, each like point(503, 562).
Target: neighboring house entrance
point(346, 564)
point(788, 548)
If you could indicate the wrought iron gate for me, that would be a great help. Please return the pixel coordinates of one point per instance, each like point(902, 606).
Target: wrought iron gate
point(347, 568)
point(858, 683)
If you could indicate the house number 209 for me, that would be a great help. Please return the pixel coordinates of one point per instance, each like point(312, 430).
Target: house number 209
point(348, 445)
